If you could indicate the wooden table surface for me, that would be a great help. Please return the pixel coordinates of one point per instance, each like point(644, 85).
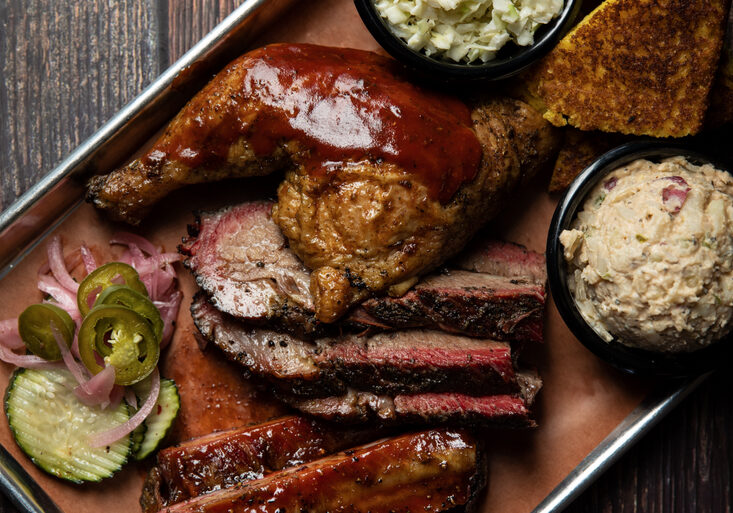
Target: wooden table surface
point(68, 65)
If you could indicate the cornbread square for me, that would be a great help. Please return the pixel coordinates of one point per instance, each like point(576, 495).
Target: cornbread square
point(642, 67)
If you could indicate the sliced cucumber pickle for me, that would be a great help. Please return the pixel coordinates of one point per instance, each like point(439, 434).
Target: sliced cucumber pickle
point(160, 420)
point(53, 427)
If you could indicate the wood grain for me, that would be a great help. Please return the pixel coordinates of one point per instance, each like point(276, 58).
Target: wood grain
point(685, 464)
point(67, 66)
point(190, 20)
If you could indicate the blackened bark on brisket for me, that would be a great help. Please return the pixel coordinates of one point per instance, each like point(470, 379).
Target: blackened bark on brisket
point(286, 361)
point(469, 303)
point(387, 363)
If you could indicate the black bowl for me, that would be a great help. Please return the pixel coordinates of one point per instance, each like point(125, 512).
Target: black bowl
point(629, 359)
point(509, 61)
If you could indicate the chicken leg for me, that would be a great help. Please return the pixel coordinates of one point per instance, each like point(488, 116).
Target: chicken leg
point(384, 180)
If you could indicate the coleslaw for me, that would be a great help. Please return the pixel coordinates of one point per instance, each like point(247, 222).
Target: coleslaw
point(466, 30)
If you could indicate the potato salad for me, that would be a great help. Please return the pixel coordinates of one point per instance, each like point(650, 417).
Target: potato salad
point(650, 256)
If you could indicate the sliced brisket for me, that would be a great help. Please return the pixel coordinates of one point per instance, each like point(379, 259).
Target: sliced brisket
point(285, 360)
point(435, 470)
point(223, 459)
point(261, 318)
point(419, 360)
point(356, 407)
point(503, 259)
point(241, 260)
point(387, 363)
point(469, 303)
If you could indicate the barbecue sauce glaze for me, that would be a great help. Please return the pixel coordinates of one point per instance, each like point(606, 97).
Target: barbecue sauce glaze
point(225, 458)
point(340, 105)
point(430, 471)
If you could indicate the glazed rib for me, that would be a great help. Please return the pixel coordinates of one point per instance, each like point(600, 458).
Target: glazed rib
point(434, 470)
point(223, 459)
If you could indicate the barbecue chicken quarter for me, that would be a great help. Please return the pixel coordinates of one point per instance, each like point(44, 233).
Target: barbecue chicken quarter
point(384, 180)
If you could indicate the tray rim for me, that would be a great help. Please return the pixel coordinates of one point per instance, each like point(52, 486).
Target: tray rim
point(29, 497)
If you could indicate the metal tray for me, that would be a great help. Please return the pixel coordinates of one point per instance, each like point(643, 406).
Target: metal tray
point(27, 222)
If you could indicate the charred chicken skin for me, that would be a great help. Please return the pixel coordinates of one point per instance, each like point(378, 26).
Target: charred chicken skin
point(384, 180)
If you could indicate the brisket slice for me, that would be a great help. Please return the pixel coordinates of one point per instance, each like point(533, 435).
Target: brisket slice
point(356, 407)
point(285, 360)
point(223, 459)
point(241, 260)
point(435, 470)
point(469, 303)
point(386, 363)
point(418, 360)
point(503, 259)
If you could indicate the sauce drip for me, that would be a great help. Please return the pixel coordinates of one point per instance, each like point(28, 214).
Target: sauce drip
point(340, 105)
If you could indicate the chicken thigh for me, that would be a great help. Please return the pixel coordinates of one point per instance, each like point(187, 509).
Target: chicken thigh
point(368, 229)
point(384, 180)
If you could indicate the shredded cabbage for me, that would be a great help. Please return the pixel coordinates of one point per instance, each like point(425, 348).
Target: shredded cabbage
point(466, 30)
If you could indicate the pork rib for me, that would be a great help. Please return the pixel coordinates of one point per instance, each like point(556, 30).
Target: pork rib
point(223, 459)
point(435, 470)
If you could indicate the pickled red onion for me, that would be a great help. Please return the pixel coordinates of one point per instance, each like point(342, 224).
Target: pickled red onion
point(107, 437)
point(58, 265)
point(130, 397)
point(9, 336)
point(100, 389)
point(158, 275)
point(128, 239)
point(90, 263)
point(64, 297)
point(27, 361)
point(97, 390)
point(77, 370)
point(71, 260)
point(115, 397)
point(168, 312)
